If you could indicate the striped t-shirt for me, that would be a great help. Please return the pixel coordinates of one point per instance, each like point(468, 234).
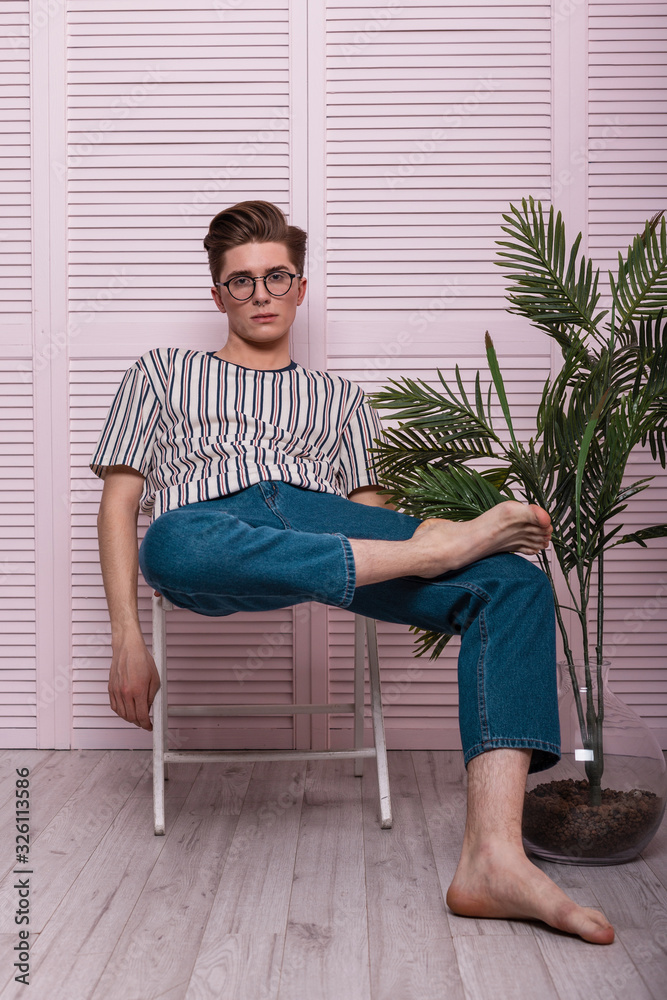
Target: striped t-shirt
point(198, 427)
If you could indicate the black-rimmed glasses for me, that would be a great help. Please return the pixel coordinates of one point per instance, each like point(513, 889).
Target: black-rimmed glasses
point(243, 286)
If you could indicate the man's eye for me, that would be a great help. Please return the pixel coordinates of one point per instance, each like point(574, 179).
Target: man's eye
point(240, 282)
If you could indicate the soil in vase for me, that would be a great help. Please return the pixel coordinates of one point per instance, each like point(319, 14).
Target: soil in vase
point(557, 816)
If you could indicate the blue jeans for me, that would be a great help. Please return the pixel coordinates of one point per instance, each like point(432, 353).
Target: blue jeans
point(274, 545)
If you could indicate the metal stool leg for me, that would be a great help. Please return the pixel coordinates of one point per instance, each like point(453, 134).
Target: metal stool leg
point(378, 725)
point(159, 715)
point(359, 685)
point(365, 634)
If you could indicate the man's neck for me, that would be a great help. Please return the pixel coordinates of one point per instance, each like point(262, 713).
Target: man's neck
point(267, 357)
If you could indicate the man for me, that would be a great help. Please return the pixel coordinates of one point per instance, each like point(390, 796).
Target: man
point(262, 495)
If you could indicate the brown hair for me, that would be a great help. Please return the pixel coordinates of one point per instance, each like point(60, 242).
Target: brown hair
point(252, 222)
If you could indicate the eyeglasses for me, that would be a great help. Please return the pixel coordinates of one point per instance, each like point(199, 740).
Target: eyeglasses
point(243, 286)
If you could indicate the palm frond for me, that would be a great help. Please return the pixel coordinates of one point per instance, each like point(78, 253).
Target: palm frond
point(554, 297)
point(429, 640)
point(654, 531)
point(456, 493)
point(640, 287)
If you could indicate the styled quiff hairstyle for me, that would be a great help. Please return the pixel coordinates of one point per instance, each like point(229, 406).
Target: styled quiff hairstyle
point(252, 222)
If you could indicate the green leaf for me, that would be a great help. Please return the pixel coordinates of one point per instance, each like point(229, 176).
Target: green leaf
point(497, 377)
point(583, 454)
point(640, 287)
point(429, 640)
point(552, 296)
point(655, 531)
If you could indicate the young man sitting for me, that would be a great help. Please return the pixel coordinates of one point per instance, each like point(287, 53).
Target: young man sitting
point(262, 495)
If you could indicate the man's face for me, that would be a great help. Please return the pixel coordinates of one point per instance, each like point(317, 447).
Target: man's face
point(263, 318)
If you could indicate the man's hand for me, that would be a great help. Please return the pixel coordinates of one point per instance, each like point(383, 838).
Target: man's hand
point(133, 681)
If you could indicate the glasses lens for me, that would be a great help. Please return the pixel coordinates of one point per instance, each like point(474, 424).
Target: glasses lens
point(279, 282)
point(241, 287)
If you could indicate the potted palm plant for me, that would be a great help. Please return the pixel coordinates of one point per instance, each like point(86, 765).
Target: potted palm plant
point(447, 458)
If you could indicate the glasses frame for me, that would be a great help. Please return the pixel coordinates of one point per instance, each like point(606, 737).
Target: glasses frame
point(255, 279)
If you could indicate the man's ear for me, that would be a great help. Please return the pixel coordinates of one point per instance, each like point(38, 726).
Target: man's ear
point(217, 299)
point(302, 291)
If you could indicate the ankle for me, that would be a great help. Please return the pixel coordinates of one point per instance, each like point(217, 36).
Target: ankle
point(487, 845)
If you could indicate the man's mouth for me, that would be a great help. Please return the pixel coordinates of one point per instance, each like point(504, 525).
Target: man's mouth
point(263, 317)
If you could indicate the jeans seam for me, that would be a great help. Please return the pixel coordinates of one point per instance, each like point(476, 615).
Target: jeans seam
point(481, 698)
point(350, 570)
point(270, 502)
point(463, 584)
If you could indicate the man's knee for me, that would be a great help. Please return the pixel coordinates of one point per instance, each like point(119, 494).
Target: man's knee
point(167, 553)
point(155, 552)
point(527, 578)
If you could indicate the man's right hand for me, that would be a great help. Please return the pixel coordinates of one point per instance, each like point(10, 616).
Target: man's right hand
point(133, 681)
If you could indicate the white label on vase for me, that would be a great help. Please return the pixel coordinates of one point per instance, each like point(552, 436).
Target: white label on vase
point(584, 755)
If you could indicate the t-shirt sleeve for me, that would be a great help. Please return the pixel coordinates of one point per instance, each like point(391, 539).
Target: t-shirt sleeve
point(128, 434)
point(357, 466)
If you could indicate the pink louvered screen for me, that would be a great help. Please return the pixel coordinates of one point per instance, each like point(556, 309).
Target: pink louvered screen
point(627, 129)
point(18, 691)
point(395, 132)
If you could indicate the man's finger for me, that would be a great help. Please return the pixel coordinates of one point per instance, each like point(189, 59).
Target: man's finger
point(141, 714)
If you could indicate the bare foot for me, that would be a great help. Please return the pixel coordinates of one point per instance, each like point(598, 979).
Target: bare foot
point(509, 527)
point(500, 881)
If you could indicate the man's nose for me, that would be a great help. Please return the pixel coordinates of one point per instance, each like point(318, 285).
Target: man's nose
point(261, 294)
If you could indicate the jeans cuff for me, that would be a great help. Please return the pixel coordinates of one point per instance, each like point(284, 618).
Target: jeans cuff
point(545, 754)
point(350, 571)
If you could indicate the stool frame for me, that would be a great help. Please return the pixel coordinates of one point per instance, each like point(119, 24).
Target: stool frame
point(365, 633)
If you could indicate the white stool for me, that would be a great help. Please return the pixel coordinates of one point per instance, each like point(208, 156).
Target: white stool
point(162, 755)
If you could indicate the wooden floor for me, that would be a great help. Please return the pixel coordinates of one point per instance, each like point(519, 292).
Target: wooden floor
point(274, 880)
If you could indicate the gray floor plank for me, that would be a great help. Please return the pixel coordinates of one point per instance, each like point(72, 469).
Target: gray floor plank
point(241, 951)
point(655, 854)
point(243, 965)
point(412, 955)
point(635, 901)
point(59, 775)
point(582, 971)
point(510, 967)
point(647, 950)
point(85, 793)
point(326, 948)
point(73, 949)
point(10, 760)
point(631, 895)
point(175, 902)
point(127, 914)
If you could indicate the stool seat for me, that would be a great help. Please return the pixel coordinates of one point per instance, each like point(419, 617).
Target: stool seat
point(365, 634)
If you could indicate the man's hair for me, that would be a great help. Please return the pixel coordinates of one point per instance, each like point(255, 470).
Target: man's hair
point(252, 222)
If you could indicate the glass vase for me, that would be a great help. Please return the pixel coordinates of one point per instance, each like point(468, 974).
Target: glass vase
point(562, 821)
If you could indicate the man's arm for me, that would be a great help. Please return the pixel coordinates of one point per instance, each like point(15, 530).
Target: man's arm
point(371, 496)
point(133, 678)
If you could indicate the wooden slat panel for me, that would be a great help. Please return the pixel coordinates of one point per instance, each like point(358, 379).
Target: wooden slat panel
point(182, 112)
point(18, 694)
point(486, 74)
point(15, 168)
